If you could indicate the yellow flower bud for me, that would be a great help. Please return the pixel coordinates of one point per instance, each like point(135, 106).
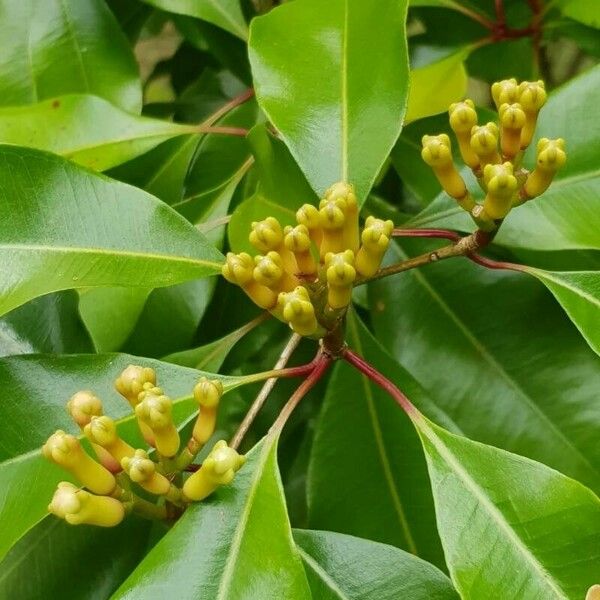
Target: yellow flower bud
point(462, 119)
point(266, 235)
point(512, 121)
point(218, 469)
point(155, 410)
point(269, 271)
point(501, 187)
point(593, 593)
point(84, 405)
point(239, 269)
point(103, 432)
point(551, 157)
point(375, 241)
point(131, 382)
point(207, 393)
point(340, 274)
point(505, 92)
point(345, 191)
point(142, 470)
point(333, 219)
point(437, 153)
point(297, 240)
point(532, 96)
point(308, 215)
point(79, 507)
point(298, 311)
point(484, 142)
point(65, 450)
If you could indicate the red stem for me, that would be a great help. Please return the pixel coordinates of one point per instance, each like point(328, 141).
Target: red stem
point(381, 380)
point(427, 233)
point(239, 131)
point(321, 363)
point(494, 264)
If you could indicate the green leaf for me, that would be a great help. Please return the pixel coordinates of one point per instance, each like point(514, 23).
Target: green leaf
point(333, 78)
point(435, 86)
point(226, 14)
point(50, 324)
point(87, 129)
point(65, 47)
point(581, 10)
point(94, 560)
point(282, 189)
point(110, 314)
point(342, 567)
point(511, 527)
point(210, 357)
point(365, 449)
point(567, 216)
point(579, 294)
point(65, 227)
point(35, 408)
point(497, 354)
point(239, 542)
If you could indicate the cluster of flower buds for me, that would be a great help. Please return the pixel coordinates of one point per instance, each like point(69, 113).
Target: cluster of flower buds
point(111, 477)
point(494, 152)
point(305, 274)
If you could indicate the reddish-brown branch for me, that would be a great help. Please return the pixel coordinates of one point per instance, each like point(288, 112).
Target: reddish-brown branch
point(427, 233)
point(239, 131)
point(376, 377)
point(243, 97)
point(321, 364)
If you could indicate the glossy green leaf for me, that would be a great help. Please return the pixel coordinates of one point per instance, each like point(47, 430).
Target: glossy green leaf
point(333, 78)
point(435, 86)
point(65, 227)
point(511, 527)
point(365, 449)
point(110, 314)
point(226, 14)
point(281, 191)
point(239, 543)
point(342, 567)
point(35, 408)
point(50, 324)
point(93, 560)
point(579, 294)
point(498, 355)
point(65, 47)
point(567, 216)
point(87, 129)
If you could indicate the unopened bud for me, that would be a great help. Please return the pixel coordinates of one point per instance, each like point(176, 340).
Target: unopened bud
point(142, 470)
point(501, 187)
point(484, 142)
point(266, 235)
point(298, 311)
point(345, 192)
point(462, 120)
point(308, 215)
point(437, 153)
point(79, 507)
point(375, 241)
point(131, 382)
point(239, 269)
point(65, 450)
point(333, 218)
point(512, 121)
point(297, 240)
point(551, 157)
point(593, 593)
point(505, 92)
point(207, 393)
point(83, 406)
point(532, 96)
point(218, 469)
point(269, 271)
point(155, 411)
point(340, 274)
point(103, 432)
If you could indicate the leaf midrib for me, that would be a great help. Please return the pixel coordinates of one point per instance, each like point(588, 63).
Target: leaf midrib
point(323, 574)
point(109, 252)
point(496, 515)
point(541, 274)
